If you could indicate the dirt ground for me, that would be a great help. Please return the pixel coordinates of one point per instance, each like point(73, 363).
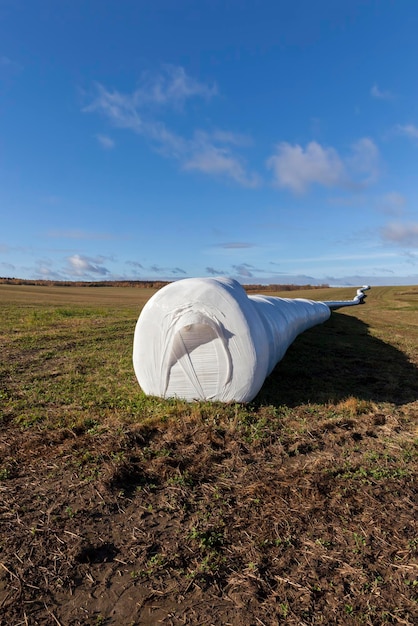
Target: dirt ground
point(197, 523)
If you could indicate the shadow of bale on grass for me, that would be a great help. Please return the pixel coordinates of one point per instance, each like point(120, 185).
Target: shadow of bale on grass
point(339, 359)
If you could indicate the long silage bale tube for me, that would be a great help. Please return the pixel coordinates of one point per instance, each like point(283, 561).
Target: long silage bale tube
point(201, 339)
point(286, 318)
point(358, 299)
point(205, 339)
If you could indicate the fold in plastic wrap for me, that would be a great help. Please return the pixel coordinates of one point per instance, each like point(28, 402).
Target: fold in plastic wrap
point(206, 339)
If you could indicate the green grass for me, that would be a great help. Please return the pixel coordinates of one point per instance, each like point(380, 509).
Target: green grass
point(63, 365)
point(66, 360)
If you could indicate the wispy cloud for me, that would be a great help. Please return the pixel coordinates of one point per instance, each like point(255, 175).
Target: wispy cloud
point(119, 108)
point(403, 234)
point(235, 139)
point(44, 269)
point(297, 168)
point(211, 153)
point(407, 130)
point(385, 270)
point(80, 265)
point(175, 271)
point(411, 257)
point(363, 162)
point(392, 203)
point(245, 270)
point(380, 94)
point(5, 60)
point(214, 272)
point(163, 272)
point(51, 200)
point(9, 267)
point(9, 65)
point(78, 234)
point(369, 279)
point(106, 142)
point(172, 86)
point(234, 245)
point(209, 158)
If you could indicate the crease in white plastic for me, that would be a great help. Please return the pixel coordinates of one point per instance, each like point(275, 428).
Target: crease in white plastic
point(206, 339)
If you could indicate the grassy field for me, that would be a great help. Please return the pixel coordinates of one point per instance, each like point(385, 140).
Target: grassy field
point(116, 508)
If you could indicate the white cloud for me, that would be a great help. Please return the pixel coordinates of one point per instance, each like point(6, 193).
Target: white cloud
point(119, 108)
point(364, 160)
point(408, 130)
point(235, 139)
point(411, 258)
point(244, 270)
point(336, 258)
point(172, 86)
point(5, 60)
point(214, 272)
point(106, 142)
point(380, 94)
point(9, 65)
point(234, 245)
point(77, 234)
point(7, 266)
point(52, 200)
point(403, 234)
point(218, 160)
point(210, 153)
point(369, 279)
point(385, 270)
point(392, 203)
point(296, 168)
point(168, 270)
point(168, 144)
point(80, 265)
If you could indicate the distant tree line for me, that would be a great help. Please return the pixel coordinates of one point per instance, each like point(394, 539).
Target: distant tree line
point(147, 284)
point(150, 284)
point(258, 288)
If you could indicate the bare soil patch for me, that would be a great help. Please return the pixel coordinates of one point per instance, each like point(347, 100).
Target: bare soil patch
point(192, 523)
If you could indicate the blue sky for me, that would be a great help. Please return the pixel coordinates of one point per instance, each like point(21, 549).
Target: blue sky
point(271, 141)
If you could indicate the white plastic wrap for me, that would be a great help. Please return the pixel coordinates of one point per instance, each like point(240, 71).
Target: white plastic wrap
point(358, 299)
point(206, 339)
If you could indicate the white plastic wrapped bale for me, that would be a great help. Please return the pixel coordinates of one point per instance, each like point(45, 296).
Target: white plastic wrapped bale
point(206, 339)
